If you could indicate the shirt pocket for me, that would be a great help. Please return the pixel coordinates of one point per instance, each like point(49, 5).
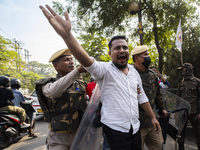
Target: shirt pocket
point(192, 89)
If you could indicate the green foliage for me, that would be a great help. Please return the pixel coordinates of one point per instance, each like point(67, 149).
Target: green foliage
point(11, 65)
point(160, 20)
point(46, 70)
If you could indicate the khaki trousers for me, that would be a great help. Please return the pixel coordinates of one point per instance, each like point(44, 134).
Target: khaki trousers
point(15, 110)
point(59, 141)
point(152, 139)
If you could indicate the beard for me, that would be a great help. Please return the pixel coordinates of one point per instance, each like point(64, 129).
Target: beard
point(120, 67)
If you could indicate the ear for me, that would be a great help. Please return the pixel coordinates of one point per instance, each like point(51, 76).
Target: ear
point(55, 65)
point(109, 53)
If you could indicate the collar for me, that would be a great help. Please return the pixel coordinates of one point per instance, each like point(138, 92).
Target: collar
point(140, 71)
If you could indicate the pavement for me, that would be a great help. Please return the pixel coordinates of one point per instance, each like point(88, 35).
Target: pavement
point(190, 141)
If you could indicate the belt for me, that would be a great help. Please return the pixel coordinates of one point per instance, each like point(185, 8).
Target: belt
point(63, 131)
point(66, 131)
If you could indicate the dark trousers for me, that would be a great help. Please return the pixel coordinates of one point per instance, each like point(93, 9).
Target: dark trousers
point(196, 127)
point(123, 141)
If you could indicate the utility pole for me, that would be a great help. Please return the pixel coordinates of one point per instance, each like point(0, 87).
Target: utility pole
point(27, 58)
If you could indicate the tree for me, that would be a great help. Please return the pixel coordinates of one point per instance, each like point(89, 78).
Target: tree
point(10, 61)
point(45, 70)
point(110, 17)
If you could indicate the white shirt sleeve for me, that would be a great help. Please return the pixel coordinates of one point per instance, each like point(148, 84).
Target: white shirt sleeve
point(57, 88)
point(97, 69)
point(142, 98)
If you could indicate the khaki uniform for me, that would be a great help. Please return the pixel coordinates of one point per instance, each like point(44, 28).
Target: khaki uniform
point(152, 90)
point(63, 113)
point(189, 91)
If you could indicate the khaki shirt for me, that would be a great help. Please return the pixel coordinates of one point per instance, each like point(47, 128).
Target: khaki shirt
point(187, 90)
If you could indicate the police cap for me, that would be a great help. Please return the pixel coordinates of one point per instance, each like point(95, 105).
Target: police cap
point(185, 65)
point(139, 49)
point(60, 53)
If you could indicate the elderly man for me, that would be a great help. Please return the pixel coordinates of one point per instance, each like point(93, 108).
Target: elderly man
point(151, 87)
point(63, 101)
point(118, 83)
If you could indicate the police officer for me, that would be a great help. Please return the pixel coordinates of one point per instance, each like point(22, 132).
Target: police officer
point(189, 90)
point(63, 101)
point(151, 87)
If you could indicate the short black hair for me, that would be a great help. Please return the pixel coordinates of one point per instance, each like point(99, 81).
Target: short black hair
point(115, 38)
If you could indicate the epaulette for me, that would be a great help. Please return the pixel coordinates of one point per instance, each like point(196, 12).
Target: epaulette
point(197, 79)
point(45, 80)
point(155, 73)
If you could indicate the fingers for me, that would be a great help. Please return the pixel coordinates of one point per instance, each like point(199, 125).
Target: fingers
point(51, 10)
point(45, 12)
point(66, 15)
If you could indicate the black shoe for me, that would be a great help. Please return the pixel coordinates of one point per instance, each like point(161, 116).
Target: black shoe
point(198, 147)
point(181, 146)
point(33, 135)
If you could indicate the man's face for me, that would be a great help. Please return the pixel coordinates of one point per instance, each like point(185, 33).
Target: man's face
point(64, 65)
point(141, 56)
point(119, 53)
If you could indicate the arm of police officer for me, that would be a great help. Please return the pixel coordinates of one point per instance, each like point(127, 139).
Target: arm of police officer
point(57, 88)
point(147, 107)
point(63, 28)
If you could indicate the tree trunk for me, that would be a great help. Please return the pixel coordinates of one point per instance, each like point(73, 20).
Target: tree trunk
point(155, 30)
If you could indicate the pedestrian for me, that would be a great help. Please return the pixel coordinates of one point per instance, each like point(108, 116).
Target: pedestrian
point(63, 100)
point(6, 104)
point(118, 83)
point(15, 85)
point(189, 90)
point(164, 84)
point(151, 88)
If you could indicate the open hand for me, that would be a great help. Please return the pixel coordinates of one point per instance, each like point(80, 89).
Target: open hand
point(61, 26)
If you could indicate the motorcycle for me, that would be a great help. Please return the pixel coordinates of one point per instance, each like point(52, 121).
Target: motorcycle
point(10, 124)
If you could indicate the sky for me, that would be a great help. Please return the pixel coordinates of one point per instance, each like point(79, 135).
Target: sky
point(24, 21)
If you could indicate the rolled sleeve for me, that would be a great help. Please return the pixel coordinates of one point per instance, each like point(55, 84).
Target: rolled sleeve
point(57, 88)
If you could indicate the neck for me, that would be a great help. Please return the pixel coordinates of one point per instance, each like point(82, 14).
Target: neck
point(140, 67)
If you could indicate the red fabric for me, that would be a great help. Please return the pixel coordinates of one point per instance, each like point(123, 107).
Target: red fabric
point(89, 88)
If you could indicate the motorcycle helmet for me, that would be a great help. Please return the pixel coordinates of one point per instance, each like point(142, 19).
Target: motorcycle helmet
point(5, 81)
point(15, 83)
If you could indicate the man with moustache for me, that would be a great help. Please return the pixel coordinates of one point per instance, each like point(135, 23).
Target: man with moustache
point(118, 84)
point(63, 101)
point(151, 87)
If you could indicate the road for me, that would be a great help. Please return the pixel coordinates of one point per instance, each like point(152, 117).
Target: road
point(26, 143)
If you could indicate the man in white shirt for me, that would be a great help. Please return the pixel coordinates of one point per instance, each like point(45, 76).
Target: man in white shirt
point(118, 83)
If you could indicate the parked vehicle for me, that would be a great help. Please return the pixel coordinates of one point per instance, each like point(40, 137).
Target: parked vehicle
point(10, 125)
point(36, 104)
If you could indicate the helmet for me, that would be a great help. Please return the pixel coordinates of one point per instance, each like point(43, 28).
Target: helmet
point(15, 83)
point(5, 81)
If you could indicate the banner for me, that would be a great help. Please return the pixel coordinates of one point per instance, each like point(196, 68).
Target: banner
point(179, 37)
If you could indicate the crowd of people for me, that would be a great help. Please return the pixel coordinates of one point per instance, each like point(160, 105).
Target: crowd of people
point(129, 94)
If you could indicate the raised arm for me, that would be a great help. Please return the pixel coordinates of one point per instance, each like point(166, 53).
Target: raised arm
point(63, 28)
